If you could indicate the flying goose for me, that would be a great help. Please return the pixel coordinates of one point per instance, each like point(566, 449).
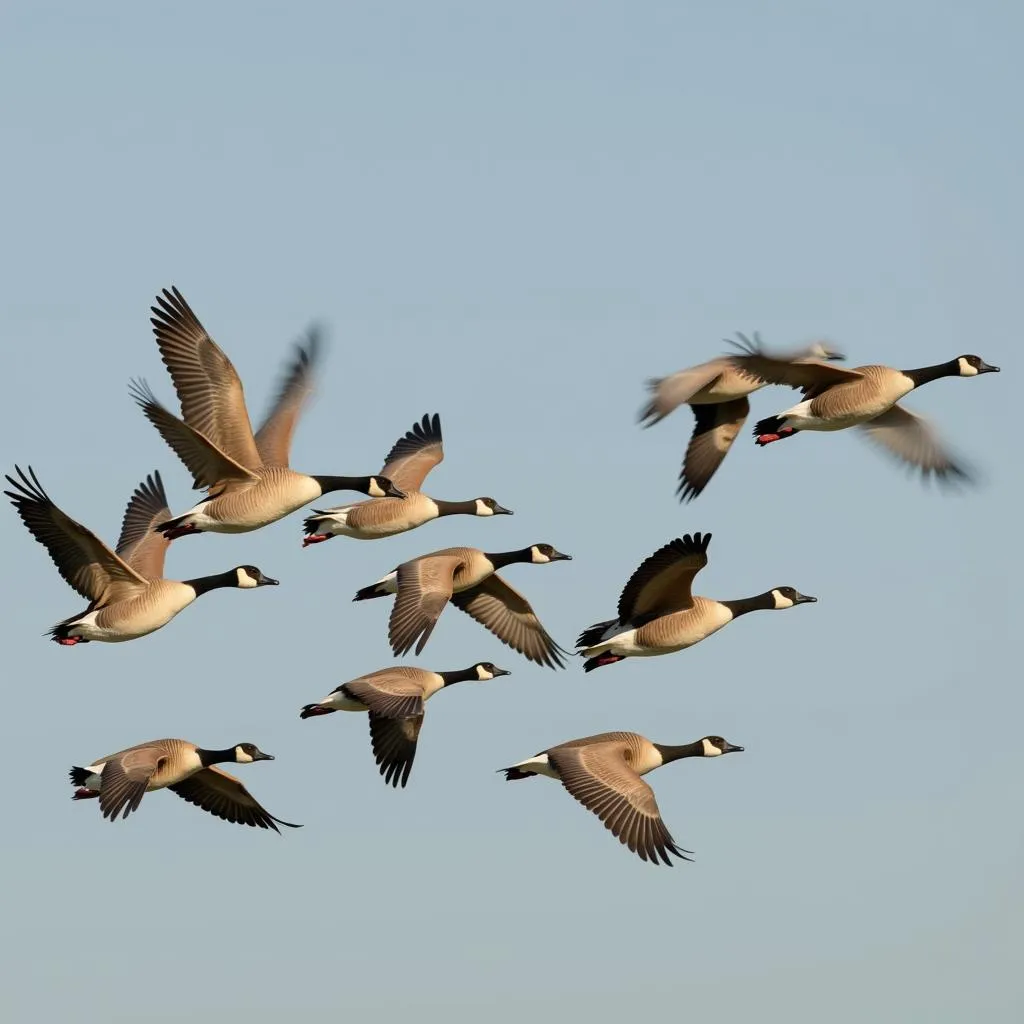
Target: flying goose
point(658, 614)
point(407, 464)
point(127, 594)
point(716, 392)
point(467, 577)
point(864, 396)
point(603, 773)
point(247, 478)
point(395, 699)
point(121, 780)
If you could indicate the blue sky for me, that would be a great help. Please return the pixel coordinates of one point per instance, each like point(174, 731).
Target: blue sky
point(512, 215)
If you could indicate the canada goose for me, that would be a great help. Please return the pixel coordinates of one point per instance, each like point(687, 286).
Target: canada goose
point(658, 614)
point(247, 478)
point(467, 577)
point(127, 595)
point(394, 697)
point(407, 464)
point(865, 396)
point(716, 392)
point(603, 773)
point(121, 780)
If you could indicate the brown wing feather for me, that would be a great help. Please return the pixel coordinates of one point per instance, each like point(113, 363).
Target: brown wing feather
point(224, 796)
point(208, 387)
point(124, 779)
point(600, 778)
point(911, 438)
point(415, 454)
point(501, 609)
point(424, 588)
point(274, 438)
point(388, 697)
point(662, 583)
point(394, 745)
point(714, 431)
point(210, 467)
point(140, 545)
point(84, 562)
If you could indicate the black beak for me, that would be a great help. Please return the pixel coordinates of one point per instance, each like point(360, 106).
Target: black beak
point(836, 357)
point(805, 599)
point(559, 557)
point(266, 581)
point(501, 672)
point(499, 511)
point(987, 368)
point(731, 748)
point(263, 757)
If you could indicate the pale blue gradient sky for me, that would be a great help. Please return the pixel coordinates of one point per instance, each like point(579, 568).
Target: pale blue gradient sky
point(512, 215)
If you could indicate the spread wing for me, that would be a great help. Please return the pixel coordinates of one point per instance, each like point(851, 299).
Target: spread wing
point(424, 588)
point(911, 438)
point(140, 545)
point(795, 370)
point(714, 431)
point(663, 581)
point(225, 797)
point(394, 745)
point(508, 615)
point(414, 455)
point(208, 387)
point(386, 694)
point(124, 779)
point(668, 393)
point(210, 467)
point(600, 778)
point(274, 438)
point(85, 563)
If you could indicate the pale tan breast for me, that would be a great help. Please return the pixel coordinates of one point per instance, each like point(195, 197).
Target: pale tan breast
point(181, 762)
point(684, 629)
point(153, 608)
point(279, 492)
point(385, 516)
point(880, 388)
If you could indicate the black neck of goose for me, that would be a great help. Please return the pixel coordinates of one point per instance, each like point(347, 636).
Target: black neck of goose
point(455, 508)
point(461, 675)
point(499, 559)
point(342, 483)
point(671, 753)
point(208, 757)
point(203, 584)
point(929, 373)
point(742, 605)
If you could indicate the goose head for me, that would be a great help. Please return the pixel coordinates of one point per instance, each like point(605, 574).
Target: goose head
point(790, 597)
point(971, 366)
point(248, 576)
point(246, 753)
point(489, 507)
point(541, 554)
point(488, 670)
point(715, 746)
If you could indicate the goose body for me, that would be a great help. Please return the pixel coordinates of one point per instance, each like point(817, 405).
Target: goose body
point(411, 458)
point(395, 699)
point(717, 393)
point(120, 780)
point(468, 578)
point(604, 773)
point(659, 614)
point(128, 597)
point(248, 480)
point(867, 397)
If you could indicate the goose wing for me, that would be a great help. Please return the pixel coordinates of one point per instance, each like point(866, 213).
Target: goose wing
point(208, 387)
point(392, 694)
point(668, 393)
point(599, 777)
point(85, 563)
point(224, 796)
point(663, 582)
point(714, 430)
point(424, 587)
point(913, 439)
point(274, 438)
point(394, 745)
point(415, 454)
point(140, 545)
point(501, 609)
point(210, 467)
point(795, 369)
point(125, 777)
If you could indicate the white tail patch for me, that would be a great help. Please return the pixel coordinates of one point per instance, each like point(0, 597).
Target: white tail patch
point(539, 765)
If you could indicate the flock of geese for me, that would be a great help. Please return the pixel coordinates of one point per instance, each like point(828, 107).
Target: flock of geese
point(249, 484)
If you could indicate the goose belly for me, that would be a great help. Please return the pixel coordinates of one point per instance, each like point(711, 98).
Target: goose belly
point(623, 644)
point(802, 417)
point(129, 620)
point(679, 630)
point(539, 765)
point(275, 496)
point(385, 517)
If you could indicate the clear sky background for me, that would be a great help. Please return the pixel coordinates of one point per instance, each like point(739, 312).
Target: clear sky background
point(512, 215)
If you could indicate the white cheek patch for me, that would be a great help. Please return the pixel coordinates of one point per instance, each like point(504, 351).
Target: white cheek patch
point(376, 491)
point(966, 370)
point(537, 556)
point(710, 750)
point(482, 509)
point(781, 601)
point(245, 581)
point(482, 674)
point(242, 757)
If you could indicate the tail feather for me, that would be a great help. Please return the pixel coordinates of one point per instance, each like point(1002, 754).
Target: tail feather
point(370, 592)
point(514, 774)
point(78, 776)
point(769, 425)
point(595, 634)
point(312, 710)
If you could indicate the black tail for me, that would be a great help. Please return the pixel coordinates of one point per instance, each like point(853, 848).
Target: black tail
point(310, 523)
point(168, 525)
point(769, 425)
point(602, 659)
point(594, 634)
point(514, 774)
point(367, 593)
point(78, 776)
